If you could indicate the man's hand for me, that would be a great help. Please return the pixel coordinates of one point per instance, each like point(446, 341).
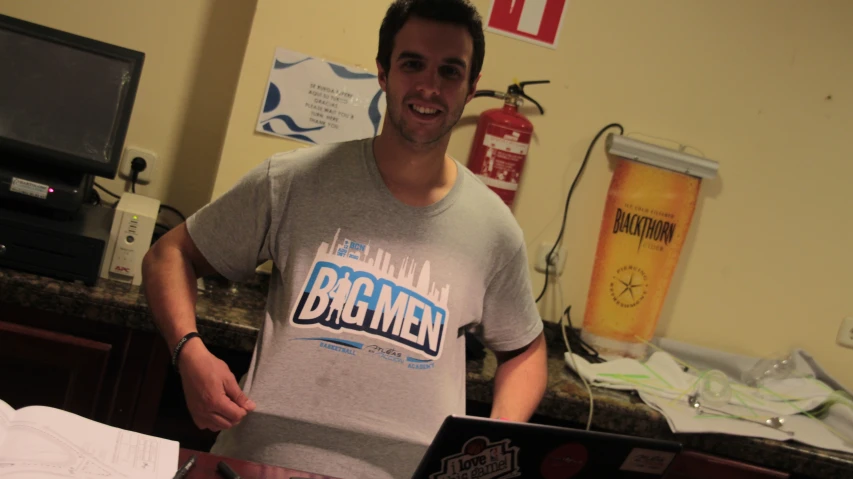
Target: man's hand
point(214, 398)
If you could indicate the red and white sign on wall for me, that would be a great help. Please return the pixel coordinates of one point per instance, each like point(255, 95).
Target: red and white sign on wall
point(534, 21)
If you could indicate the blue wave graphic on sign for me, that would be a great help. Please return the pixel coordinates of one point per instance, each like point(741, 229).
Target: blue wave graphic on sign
point(301, 137)
point(273, 98)
point(292, 124)
point(281, 65)
point(268, 128)
point(344, 73)
point(373, 112)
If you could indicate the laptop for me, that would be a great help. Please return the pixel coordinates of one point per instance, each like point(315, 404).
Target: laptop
point(467, 447)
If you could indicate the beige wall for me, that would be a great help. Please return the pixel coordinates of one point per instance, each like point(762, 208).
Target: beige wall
point(194, 49)
point(765, 87)
point(341, 33)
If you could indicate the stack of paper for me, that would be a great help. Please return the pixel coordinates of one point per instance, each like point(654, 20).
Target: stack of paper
point(38, 441)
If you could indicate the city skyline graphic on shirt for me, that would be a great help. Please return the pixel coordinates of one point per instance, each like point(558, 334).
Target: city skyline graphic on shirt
point(364, 290)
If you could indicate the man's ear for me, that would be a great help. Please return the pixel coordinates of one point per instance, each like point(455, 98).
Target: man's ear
point(473, 88)
point(383, 76)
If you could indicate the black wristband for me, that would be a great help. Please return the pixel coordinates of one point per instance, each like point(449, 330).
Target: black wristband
point(180, 346)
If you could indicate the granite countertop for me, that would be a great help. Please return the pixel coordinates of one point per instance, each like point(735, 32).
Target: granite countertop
point(228, 315)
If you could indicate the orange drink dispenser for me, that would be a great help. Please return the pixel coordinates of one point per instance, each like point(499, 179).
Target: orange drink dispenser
point(649, 207)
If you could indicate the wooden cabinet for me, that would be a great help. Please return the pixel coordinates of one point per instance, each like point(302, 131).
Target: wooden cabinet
point(101, 371)
point(51, 369)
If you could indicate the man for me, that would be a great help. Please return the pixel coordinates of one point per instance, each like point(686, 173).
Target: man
point(385, 251)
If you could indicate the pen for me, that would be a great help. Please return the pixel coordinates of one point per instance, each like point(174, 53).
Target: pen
point(226, 471)
point(185, 469)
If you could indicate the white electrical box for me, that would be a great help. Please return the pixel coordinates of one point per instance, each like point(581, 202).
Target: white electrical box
point(558, 260)
point(130, 238)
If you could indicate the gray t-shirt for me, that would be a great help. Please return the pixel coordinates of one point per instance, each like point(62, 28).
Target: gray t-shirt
point(361, 355)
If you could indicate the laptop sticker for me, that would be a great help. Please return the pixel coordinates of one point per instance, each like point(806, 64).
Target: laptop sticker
point(647, 460)
point(481, 459)
point(564, 462)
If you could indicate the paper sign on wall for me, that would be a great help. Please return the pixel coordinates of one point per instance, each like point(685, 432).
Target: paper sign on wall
point(534, 21)
point(314, 101)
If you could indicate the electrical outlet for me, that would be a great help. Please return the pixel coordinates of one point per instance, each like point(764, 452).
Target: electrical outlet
point(845, 333)
point(557, 259)
point(150, 160)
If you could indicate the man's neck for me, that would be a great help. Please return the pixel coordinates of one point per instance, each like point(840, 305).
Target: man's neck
point(415, 176)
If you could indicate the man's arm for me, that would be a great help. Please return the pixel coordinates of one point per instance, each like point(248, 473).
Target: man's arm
point(520, 381)
point(170, 270)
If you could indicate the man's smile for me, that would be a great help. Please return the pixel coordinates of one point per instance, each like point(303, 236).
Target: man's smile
point(425, 111)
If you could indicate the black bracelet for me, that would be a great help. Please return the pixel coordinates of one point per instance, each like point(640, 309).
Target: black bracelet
point(180, 346)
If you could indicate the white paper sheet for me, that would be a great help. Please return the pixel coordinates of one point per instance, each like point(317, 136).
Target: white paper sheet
point(42, 442)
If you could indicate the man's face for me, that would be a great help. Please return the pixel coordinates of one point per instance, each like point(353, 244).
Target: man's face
point(427, 83)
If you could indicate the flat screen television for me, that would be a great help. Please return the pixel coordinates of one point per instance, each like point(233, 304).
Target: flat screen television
point(65, 105)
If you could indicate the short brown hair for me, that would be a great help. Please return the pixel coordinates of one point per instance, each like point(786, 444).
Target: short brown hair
point(457, 12)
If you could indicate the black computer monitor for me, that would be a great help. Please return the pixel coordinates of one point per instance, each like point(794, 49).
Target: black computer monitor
point(65, 105)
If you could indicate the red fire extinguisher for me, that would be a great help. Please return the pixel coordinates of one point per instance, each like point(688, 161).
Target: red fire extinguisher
point(502, 141)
